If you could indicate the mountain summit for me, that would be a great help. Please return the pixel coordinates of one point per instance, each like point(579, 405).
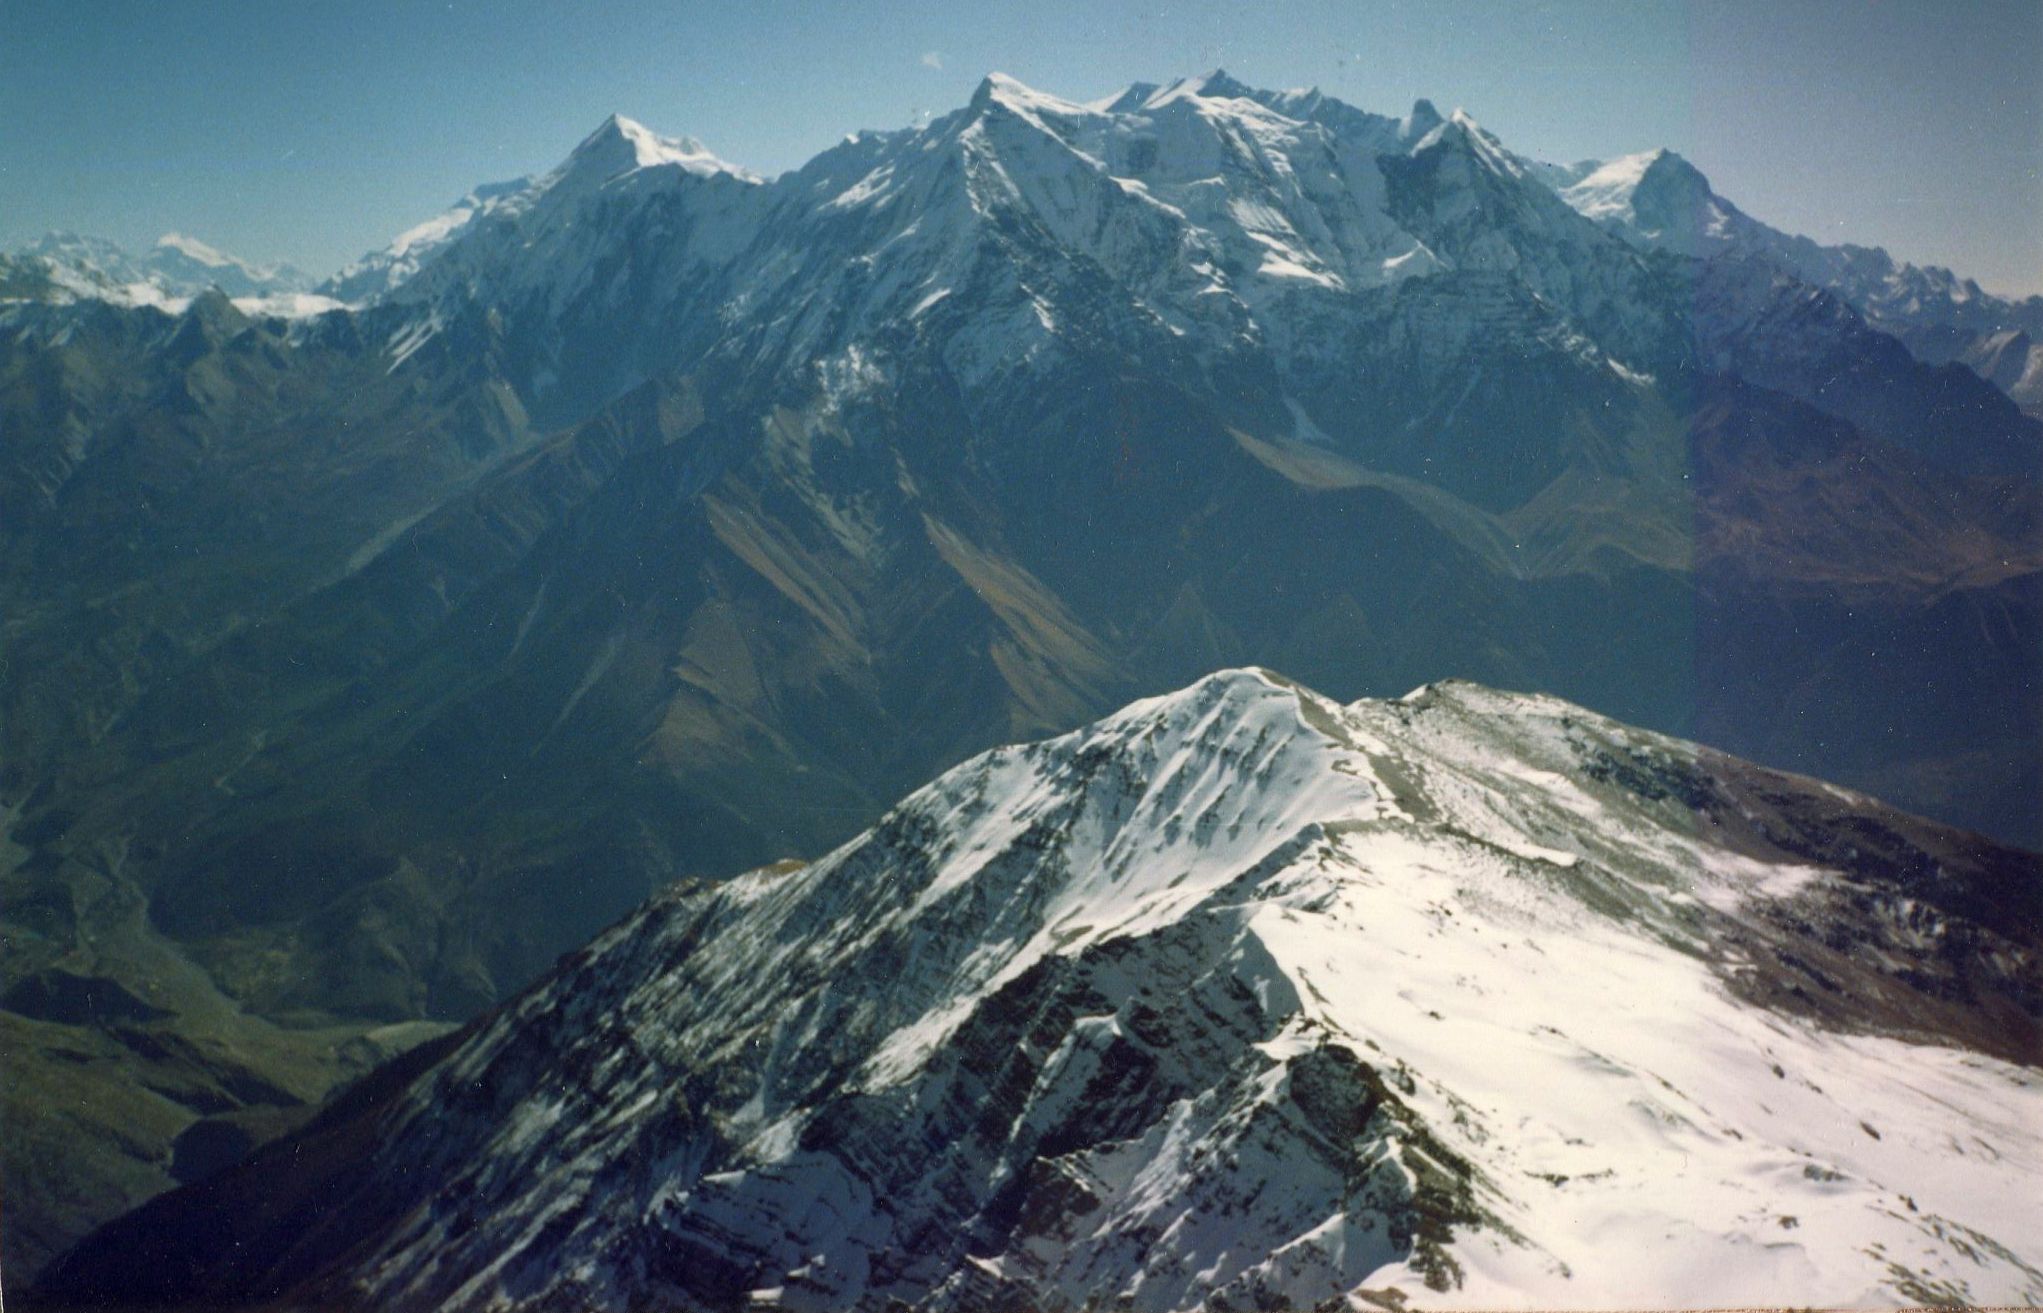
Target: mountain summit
point(1660, 201)
point(621, 145)
point(1236, 998)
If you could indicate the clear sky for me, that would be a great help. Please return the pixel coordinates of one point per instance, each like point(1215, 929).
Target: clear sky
point(315, 131)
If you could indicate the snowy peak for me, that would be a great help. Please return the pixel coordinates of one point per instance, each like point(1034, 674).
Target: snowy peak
point(1480, 208)
point(1181, 221)
point(1000, 87)
point(591, 233)
point(1417, 125)
point(1672, 196)
point(1459, 152)
point(381, 272)
point(1655, 199)
point(194, 249)
point(1237, 997)
point(999, 94)
point(530, 215)
point(186, 265)
point(1460, 133)
point(1670, 175)
point(1217, 84)
point(82, 266)
point(1214, 85)
point(173, 271)
point(620, 145)
point(1129, 98)
point(1204, 197)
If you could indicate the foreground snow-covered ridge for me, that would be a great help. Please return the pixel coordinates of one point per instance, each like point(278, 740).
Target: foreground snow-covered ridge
point(1242, 997)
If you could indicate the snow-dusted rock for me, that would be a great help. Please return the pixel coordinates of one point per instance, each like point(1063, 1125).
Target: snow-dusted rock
point(1659, 201)
point(167, 277)
point(1237, 998)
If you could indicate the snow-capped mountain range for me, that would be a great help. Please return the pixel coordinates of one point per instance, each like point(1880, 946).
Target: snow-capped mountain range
point(1202, 219)
point(1221, 207)
point(1660, 201)
point(1248, 230)
point(172, 272)
point(618, 149)
point(1237, 998)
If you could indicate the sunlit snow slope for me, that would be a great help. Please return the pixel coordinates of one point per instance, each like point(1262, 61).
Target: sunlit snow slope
point(1236, 998)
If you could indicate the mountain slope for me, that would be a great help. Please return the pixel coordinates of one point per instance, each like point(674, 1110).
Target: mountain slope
point(1309, 262)
point(168, 485)
point(647, 518)
point(1660, 201)
point(1237, 997)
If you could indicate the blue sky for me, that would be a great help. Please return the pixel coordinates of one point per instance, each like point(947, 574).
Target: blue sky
point(315, 131)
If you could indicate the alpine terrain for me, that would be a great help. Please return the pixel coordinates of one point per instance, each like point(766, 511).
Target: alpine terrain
point(367, 644)
point(1239, 998)
point(66, 267)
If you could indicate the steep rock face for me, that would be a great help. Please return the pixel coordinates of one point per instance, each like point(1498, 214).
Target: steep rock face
point(1762, 325)
point(2011, 360)
point(1237, 997)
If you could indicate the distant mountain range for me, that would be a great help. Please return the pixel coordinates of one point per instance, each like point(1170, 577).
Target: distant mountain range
point(1655, 200)
point(1239, 998)
point(650, 518)
point(63, 267)
point(1659, 201)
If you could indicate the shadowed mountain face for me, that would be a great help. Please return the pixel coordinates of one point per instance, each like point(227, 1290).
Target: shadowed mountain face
point(1659, 201)
point(648, 519)
point(1239, 997)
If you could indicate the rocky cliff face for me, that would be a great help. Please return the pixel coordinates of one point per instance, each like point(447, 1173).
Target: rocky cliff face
point(1237, 998)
